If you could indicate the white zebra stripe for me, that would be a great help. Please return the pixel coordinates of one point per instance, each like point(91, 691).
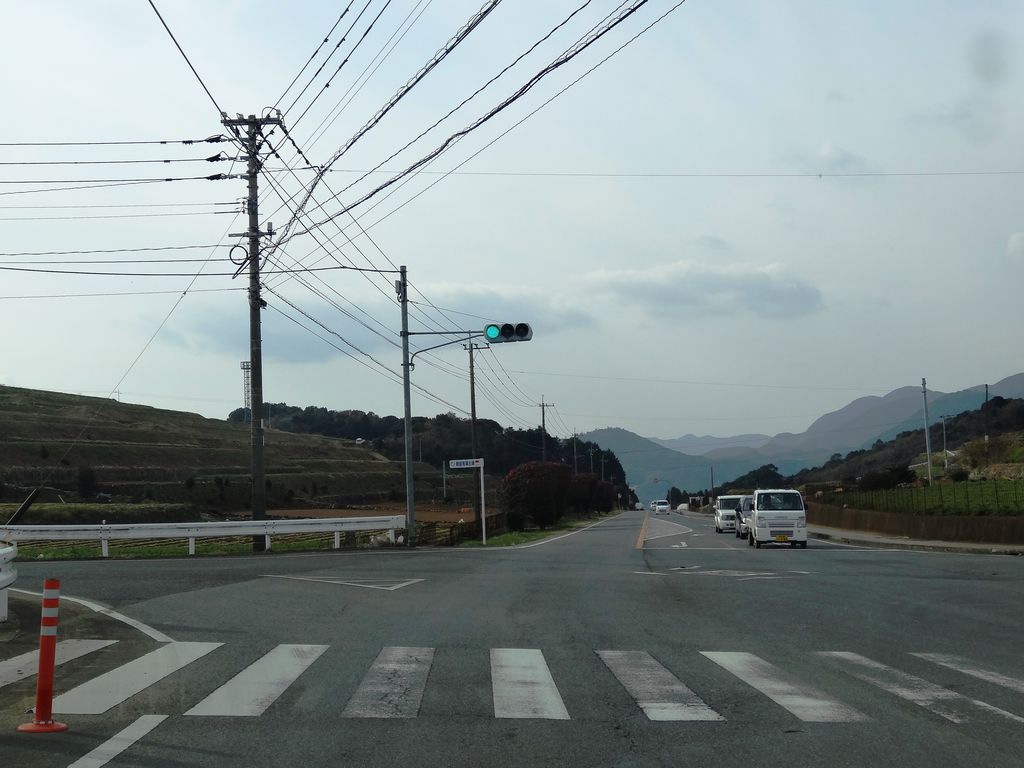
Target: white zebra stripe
point(522, 686)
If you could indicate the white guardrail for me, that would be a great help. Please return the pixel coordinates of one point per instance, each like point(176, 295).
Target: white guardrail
point(192, 531)
point(8, 573)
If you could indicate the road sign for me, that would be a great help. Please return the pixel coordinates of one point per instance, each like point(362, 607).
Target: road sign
point(465, 463)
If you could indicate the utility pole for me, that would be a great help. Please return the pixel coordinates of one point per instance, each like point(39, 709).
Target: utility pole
point(253, 130)
point(402, 289)
point(575, 464)
point(927, 434)
point(591, 451)
point(712, 481)
point(470, 347)
point(945, 454)
point(543, 428)
point(602, 466)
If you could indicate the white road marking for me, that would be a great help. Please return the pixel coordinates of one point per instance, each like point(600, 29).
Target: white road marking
point(942, 701)
point(393, 686)
point(522, 685)
point(968, 667)
point(110, 689)
point(650, 573)
point(255, 688)
point(27, 664)
point(658, 692)
point(807, 703)
point(680, 545)
point(389, 585)
point(145, 629)
point(118, 743)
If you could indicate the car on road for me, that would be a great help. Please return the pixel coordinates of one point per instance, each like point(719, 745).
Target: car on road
point(742, 513)
point(725, 513)
point(777, 515)
point(662, 507)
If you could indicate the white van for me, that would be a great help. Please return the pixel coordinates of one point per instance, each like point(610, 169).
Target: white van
point(777, 515)
point(725, 513)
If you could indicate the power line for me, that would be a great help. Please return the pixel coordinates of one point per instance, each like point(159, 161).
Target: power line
point(438, 57)
point(508, 130)
point(107, 250)
point(185, 274)
point(218, 158)
point(111, 294)
point(692, 174)
point(111, 205)
point(343, 63)
point(208, 140)
point(327, 37)
point(217, 177)
point(220, 112)
point(94, 217)
point(563, 59)
point(211, 177)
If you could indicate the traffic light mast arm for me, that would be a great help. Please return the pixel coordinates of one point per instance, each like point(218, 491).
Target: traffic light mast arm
point(470, 335)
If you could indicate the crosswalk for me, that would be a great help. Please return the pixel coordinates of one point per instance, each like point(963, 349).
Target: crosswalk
point(522, 685)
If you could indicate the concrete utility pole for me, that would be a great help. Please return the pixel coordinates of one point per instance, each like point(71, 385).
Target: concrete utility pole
point(543, 428)
point(945, 454)
point(472, 427)
point(602, 466)
point(402, 288)
point(575, 464)
point(591, 452)
point(927, 434)
point(253, 130)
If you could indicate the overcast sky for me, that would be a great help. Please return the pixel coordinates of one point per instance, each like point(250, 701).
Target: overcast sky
point(751, 215)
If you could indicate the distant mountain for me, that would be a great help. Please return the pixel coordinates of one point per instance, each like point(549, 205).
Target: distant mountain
point(969, 399)
point(687, 461)
point(651, 468)
point(703, 444)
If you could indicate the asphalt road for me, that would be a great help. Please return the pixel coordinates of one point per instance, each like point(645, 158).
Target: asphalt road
point(624, 644)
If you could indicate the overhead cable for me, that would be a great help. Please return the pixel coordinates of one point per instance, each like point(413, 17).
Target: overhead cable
point(565, 58)
point(443, 53)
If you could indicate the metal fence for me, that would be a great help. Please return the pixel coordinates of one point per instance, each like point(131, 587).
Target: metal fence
point(990, 497)
point(104, 534)
point(8, 573)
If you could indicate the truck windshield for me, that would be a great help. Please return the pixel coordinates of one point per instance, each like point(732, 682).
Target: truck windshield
point(784, 502)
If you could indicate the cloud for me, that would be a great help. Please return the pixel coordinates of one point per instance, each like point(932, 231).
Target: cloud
point(539, 307)
point(989, 57)
point(832, 158)
point(688, 287)
point(1015, 246)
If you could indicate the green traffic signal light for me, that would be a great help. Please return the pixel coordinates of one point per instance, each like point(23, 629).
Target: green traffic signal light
point(500, 332)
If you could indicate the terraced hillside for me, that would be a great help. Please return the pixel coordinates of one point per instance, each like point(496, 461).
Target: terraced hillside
point(137, 453)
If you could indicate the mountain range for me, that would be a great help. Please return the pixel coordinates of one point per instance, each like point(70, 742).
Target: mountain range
point(654, 465)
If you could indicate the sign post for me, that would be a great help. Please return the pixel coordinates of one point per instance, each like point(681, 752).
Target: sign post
point(472, 464)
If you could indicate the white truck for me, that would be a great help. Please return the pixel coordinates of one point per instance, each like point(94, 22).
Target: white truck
point(777, 515)
point(725, 513)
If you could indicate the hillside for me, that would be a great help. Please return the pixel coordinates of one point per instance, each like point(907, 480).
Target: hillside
point(140, 453)
point(651, 468)
point(1001, 419)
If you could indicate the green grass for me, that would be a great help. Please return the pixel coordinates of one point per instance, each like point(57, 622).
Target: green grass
point(995, 497)
point(512, 538)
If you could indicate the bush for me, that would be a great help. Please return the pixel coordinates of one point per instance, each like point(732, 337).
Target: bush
point(958, 474)
point(537, 491)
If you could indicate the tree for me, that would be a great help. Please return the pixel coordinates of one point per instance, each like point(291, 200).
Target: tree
point(536, 490)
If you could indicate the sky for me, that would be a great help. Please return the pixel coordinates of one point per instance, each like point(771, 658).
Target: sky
point(748, 216)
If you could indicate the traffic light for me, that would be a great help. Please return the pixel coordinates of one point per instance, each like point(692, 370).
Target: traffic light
point(500, 332)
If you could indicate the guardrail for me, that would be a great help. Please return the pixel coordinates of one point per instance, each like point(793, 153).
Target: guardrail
point(192, 531)
point(8, 573)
